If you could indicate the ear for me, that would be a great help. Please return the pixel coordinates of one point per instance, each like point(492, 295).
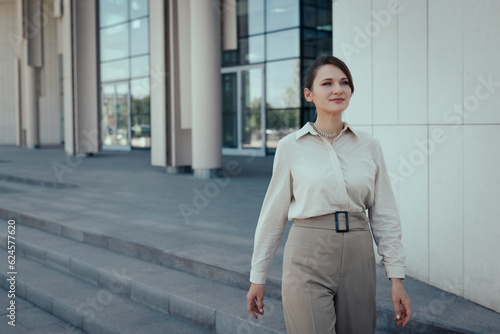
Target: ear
point(308, 95)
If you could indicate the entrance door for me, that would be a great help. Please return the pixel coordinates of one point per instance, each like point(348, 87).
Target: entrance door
point(115, 116)
point(243, 112)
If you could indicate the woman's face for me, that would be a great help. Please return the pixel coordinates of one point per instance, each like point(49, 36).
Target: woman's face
point(330, 92)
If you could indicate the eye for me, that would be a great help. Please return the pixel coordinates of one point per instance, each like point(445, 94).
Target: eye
point(327, 84)
point(344, 83)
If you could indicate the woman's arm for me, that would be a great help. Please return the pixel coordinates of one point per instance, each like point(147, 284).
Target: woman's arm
point(270, 228)
point(386, 228)
point(273, 217)
point(385, 221)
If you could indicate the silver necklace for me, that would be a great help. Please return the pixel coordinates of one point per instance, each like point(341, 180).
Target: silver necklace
point(324, 134)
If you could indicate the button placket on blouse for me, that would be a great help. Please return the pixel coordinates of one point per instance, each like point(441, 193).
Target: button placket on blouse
point(339, 176)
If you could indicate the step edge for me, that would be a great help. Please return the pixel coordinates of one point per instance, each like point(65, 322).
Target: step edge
point(84, 321)
point(229, 276)
point(45, 302)
point(131, 289)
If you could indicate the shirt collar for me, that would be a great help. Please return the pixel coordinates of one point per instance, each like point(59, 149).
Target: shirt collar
point(308, 128)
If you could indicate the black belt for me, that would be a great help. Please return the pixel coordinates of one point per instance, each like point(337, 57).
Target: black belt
point(340, 221)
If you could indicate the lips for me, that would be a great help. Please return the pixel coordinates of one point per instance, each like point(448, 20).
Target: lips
point(337, 100)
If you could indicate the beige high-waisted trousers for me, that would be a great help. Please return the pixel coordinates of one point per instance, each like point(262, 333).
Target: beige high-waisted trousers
point(329, 277)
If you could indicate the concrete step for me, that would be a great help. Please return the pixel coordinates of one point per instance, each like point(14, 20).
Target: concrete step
point(435, 311)
point(214, 306)
point(30, 319)
point(214, 264)
point(88, 307)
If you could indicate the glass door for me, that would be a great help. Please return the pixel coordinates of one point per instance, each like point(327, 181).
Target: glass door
point(243, 112)
point(230, 110)
point(116, 116)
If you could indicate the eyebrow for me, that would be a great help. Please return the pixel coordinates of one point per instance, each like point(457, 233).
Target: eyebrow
point(330, 79)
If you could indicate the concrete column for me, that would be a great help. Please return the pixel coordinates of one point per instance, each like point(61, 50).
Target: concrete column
point(30, 107)
point(17, 43)
point(32, 62)
point(158, 49)
point(18, 103)
point(179, 153)
point(229, 25)
point(86, 80)
point(68, 76)
point(170, 94)
point(206, 88)
point(81, 80)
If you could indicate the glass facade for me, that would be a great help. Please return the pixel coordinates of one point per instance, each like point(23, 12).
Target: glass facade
point(282, 37)
point(124, 47)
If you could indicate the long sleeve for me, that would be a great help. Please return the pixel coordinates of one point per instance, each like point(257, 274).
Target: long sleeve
point(385, 221)
point(273, 217)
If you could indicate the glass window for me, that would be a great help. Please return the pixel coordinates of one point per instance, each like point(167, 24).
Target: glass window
point(112, 12)
point(324, 19)
point(122, 121)
point(139, 66)
point(115, 70)
point(316, 43)
point(114, 42)
point(283, 44)
point(252, 49)
point(250, 17)
point(308, 16)
point(124, 39)
point(283, 84)
point(115, 107)
point(138, 8)
point(140, 113)
point(251, 89)
point(319, 3)
point(108, 114)
point(139, 40)
point(318, 18)
point(281, 14)
point(139, 88)
point(280, 122)
point(229, 110)
point(230, 58)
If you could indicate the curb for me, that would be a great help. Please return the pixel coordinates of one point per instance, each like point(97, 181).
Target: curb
point(40, 183)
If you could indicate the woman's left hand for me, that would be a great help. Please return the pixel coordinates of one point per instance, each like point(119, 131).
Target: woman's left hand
point(401, 301)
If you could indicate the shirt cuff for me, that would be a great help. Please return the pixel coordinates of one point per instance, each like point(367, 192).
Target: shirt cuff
point(394, 272)
point(258, 278)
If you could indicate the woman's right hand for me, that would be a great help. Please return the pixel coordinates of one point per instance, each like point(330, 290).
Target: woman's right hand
point(255, 300)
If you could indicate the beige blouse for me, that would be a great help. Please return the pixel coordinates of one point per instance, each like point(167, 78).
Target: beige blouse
point(312, 177)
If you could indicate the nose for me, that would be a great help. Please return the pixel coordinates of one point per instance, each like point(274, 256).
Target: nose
point(336, 88)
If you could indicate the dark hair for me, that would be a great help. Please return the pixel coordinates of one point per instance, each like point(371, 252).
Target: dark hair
point(327, 60)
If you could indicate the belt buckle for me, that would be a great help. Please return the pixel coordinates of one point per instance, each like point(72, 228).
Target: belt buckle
point(346, 229)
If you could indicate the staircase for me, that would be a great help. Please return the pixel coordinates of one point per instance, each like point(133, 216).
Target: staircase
point(101, 284)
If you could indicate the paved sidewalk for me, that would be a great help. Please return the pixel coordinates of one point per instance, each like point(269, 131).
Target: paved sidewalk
point(212, 221)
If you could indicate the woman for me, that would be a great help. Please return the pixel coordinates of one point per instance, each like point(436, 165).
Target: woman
point(325, 176)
